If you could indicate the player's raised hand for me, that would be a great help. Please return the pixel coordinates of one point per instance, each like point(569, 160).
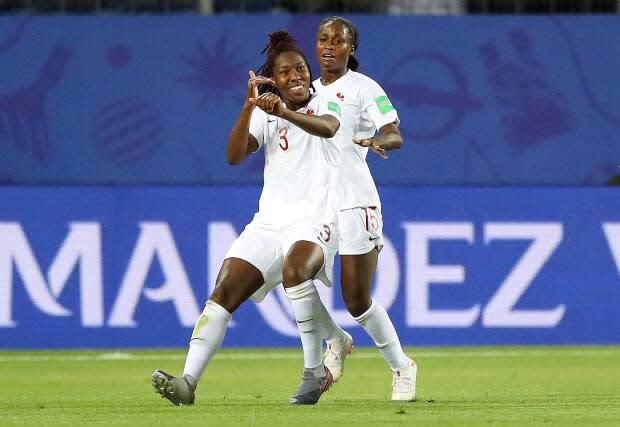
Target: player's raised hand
point(265, 102)
point(270, 103)
point(253, 82)
point(370, 143)
point(252, 87)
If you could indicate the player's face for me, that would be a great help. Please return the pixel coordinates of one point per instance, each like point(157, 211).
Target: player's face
point(292, 77)
point(333, 46)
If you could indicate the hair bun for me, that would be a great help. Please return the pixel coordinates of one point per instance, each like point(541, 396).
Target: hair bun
point(277, 38)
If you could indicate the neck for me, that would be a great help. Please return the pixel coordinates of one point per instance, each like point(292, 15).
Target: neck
point(328, 76)
point(294, 106)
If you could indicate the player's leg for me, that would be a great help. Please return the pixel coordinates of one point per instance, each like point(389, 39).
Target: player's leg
point(361, 240)
point(332, 333)
point(357, 274)
point(339, 345)
point(236, 282)
point(302, 264)
point(248, 263)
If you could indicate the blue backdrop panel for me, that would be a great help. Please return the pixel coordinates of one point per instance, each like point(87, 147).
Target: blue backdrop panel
point(150, 99)
point(132, 266)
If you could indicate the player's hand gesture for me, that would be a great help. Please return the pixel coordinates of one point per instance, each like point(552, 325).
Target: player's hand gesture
point(370, 143)
point(270, 103)
point(253, 83)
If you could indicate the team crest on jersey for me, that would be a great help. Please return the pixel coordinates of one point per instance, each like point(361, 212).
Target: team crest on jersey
point(310, 111)
point(340, 96)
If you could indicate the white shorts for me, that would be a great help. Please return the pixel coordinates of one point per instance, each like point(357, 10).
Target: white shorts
point(361, 230)
point(265, 246)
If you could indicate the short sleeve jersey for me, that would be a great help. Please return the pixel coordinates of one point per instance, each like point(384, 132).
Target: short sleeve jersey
point(301, 170)
point(365, 109)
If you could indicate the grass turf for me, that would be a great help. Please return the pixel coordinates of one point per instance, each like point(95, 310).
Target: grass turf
point(511, 386)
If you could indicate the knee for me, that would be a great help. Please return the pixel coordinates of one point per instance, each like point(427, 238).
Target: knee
point(295, 274)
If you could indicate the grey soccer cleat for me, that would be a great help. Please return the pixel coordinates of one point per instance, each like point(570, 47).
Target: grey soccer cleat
point(179, 391)
point(311, 388)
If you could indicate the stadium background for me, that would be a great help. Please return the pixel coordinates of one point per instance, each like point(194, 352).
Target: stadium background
point(117, 204)
point(502, 263)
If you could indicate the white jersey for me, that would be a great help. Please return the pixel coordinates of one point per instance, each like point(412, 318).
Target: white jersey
point(301, 170)
point(365, 109)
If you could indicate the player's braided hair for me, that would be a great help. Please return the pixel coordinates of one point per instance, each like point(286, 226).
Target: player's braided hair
point(352, 63)
point(279, 42)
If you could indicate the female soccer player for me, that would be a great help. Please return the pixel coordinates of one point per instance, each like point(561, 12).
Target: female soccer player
point(365, 109)
point(292, 238)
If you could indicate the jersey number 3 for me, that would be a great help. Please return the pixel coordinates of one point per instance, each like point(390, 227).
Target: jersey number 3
point(283, 140)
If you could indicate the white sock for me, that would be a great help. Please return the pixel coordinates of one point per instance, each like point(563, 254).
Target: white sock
point(306, 307)
point(378, 325)
point(330, 330)
point(206, 339)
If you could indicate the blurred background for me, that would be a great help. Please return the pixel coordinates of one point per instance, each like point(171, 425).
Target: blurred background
point(440, 7)
point(502, 220)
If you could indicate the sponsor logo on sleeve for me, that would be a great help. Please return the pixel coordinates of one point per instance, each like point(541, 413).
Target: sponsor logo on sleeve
point(332, 106)
point(384, 104)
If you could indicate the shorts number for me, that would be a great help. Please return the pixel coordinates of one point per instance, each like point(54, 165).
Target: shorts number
point(283, 140)
point(372, 220)
point(326, 234)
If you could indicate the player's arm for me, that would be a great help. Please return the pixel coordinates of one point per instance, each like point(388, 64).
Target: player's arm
point(385, 118)
point(388, 138)
point(324, 126)
point(241, 142)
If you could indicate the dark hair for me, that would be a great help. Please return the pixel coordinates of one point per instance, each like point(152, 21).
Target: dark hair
point(352, 63)
point(279, 42)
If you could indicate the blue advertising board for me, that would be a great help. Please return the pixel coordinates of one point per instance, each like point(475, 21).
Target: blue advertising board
point(109, 267)
point(151, 99)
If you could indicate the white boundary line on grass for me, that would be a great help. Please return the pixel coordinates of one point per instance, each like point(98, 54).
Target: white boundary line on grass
point(275, 355)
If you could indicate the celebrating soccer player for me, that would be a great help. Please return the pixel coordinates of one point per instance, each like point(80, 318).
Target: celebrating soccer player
point(293, 237)
point(365, 109)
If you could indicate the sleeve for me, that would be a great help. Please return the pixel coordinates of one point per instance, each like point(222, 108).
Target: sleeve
point(257, 126)
point(330, 105)
point(375, 102)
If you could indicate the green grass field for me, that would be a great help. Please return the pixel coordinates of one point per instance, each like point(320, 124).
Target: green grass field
point(515, 386)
